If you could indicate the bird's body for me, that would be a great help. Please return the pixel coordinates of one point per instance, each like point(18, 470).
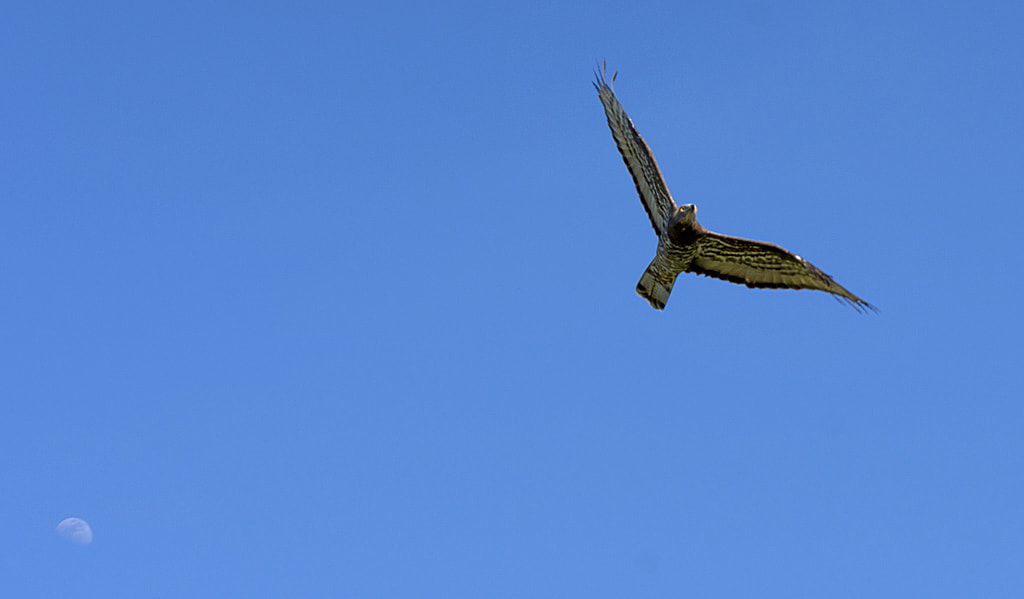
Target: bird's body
point(686, 246)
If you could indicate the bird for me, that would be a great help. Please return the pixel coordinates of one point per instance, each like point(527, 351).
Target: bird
point(684, 245)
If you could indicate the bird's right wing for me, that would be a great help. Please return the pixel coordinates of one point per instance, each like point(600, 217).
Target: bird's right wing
point(638, 157)
point(764, 265)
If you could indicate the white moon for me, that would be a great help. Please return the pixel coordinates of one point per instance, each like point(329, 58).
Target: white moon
point(75, 530)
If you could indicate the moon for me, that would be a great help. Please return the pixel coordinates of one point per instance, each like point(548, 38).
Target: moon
point(75, 530)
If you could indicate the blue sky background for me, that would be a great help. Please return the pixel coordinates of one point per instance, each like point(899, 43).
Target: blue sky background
point(330, 299)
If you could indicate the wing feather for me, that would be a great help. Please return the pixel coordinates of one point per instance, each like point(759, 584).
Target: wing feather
point(637, 155)
point(764, 265)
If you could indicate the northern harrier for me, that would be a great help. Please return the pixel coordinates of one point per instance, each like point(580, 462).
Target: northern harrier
point(685, 246)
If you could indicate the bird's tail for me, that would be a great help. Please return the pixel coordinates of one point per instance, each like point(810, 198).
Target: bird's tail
point(653, 288)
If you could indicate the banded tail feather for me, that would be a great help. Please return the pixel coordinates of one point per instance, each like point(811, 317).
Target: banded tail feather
point(653, 288)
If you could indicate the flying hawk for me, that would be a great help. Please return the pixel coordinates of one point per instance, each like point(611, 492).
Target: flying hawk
point(685, 246)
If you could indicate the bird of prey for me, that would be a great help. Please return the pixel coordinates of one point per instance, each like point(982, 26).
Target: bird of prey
point(685, 246)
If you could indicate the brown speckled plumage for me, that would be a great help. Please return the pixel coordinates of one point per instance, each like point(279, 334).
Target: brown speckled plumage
point(686, 246)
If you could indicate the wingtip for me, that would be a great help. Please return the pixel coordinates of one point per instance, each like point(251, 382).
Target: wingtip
point(860, 305)
point(857, 304)
point(601, 74)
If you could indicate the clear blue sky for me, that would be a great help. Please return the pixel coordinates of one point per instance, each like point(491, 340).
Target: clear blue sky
point(336, 300)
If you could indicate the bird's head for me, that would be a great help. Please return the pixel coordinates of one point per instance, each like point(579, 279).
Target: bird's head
point(683, 223)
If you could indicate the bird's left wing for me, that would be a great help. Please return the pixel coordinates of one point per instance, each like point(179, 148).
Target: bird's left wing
point(765, 265)
point(638, 157)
